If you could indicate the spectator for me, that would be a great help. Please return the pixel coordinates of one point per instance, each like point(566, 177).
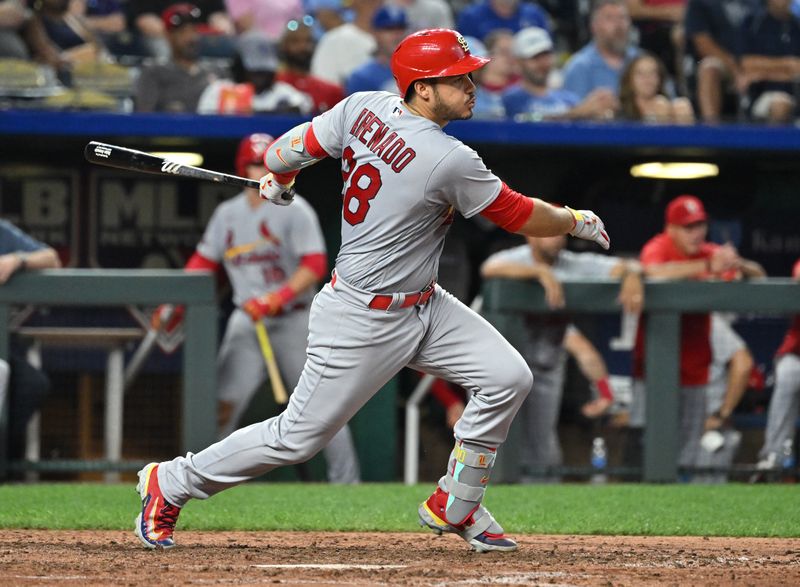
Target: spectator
point(599, 64)
point(213, 25)
point(771, 62)
point(69, 40)
point(660, 27)
point(176, 85)
point(547, 261)
point(267, 16)
point(785, 402)
point(274, 257)
point(489, 83)
point(643, 95)
point(426, 14)
point(254, 88)
point(106, 19)
point(502, 71)
point(714, 45)
point(327, 15)
point(27, 386)
point(295, 49)
point(13, 18)
point(348, 46)
point(682, 252)
point(389, 25)
point(481, 18)
point(533, 99)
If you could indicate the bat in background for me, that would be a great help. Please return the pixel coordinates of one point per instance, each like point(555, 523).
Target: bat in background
point(278, 389)
point(133, 160)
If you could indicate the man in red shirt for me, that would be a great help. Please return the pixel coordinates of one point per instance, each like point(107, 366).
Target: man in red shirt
point(296, 46)
point(785, 402)
point(682, 252)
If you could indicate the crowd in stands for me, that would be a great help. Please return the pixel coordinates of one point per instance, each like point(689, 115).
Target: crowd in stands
point(664, 61)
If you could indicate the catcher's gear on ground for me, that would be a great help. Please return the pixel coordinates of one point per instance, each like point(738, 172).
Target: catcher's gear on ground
point(275, 192)
point(251, 151)
point(588, 226)
point(266, 305)
point(432, 53)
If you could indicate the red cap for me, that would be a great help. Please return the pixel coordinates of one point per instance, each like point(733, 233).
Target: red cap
point(432, 53)
point(176, 15)
point(685, 210)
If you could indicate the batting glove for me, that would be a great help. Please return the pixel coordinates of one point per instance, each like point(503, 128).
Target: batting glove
point(275, 192)
point(167, 317)
point(588, 226)
point(261, 307)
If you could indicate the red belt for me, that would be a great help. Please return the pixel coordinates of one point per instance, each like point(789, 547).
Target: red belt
point(383, 302)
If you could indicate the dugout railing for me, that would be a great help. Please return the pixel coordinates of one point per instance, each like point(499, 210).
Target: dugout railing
point(504, 300)
point(107, 288)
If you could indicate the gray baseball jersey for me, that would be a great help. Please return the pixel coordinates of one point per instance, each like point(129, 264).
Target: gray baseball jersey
point(544, 352)
point(260, 248)
point(403, 179)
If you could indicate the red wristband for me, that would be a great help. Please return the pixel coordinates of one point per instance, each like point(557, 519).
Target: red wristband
point(604, 389)
point(285, 294)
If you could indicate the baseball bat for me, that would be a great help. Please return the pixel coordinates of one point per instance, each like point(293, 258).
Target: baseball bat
point(278, 389)
point(133, 160)
point(137, 360)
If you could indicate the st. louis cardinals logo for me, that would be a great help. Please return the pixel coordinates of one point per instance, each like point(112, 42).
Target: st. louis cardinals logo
point(170, 167)
point(463, 42)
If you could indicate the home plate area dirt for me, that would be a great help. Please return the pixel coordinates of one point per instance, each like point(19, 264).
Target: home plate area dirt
point(40, 557)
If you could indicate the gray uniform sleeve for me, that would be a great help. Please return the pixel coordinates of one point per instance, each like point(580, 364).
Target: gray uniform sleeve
point(212, 245)
point(329, 127)
point(462, 180)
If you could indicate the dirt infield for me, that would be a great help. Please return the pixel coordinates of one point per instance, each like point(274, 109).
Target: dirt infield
point(298, 558)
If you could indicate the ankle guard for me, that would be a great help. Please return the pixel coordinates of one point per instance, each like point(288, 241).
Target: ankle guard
point(465, 483)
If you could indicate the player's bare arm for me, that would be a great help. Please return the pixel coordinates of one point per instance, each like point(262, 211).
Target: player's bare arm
point(553, 292)
point(548, 220)
point(631, 290)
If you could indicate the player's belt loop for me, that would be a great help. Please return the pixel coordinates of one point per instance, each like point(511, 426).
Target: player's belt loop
point(398, 301)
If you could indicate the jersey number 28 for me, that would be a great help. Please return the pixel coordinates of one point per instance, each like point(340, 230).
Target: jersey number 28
point(364, 183)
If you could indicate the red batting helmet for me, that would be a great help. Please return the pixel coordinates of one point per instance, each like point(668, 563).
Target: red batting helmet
point(251, 151)
point(432, 53)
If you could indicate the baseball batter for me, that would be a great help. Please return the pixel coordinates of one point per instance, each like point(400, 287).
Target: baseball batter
point(547, 261)
point(273, 256)
point(404, 178)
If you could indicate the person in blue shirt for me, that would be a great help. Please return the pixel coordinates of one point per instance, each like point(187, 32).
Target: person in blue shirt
point(532, 98)
point(771, 55)
point(714, 43)
point(600, 63)
point(389, 26)
point(486, 16)
point(27, 387)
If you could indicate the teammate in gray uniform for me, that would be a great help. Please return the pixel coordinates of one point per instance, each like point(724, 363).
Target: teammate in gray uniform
point(404, 178)
point(273, 256)
point(547, 261)
point(784, 406)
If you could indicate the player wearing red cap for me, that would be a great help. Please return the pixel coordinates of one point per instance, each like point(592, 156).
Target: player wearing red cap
point(404, 178)
point(682, 252)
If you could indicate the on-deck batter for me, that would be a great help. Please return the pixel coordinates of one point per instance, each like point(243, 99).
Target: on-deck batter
point(403, 180)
